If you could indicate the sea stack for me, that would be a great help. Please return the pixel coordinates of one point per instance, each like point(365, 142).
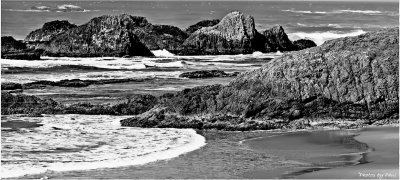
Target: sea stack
point(101, 36)
point(232, 35)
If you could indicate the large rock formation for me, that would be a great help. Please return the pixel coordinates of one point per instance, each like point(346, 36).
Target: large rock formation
point(205, 23)
point(101, 36)
point(49, 31)
point(351, 78)
point(13, 49)
point(233, 35)
point(277, 40)
point(160, 36)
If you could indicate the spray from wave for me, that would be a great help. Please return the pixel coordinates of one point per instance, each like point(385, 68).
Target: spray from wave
point(320, 37)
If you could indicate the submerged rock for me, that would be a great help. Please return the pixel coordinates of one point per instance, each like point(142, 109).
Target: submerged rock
point(346, 78)
point(101, 36)
point(49, 31)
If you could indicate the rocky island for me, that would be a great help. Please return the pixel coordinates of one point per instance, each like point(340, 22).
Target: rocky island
point(126, 35)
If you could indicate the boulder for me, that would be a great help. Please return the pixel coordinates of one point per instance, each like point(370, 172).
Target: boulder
point(304, 44)
point(205, 23)
point(101, 36)
point(232, 35)
point(49, 31)
point(354, 78)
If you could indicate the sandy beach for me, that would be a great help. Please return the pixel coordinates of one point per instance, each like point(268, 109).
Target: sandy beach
point(382, 162)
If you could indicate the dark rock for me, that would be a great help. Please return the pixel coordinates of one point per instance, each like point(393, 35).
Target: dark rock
point(24, 104)
point(10, 86)
point(277, 40)
point(161, 37)
point(206, 74)
point(21, 55)
point(9, 44)
point(205, 23)
point(101, 36)
point(348, 78)
point(304, 44)
point(75, 83)
point(13, 49)
point(49, 31)
point(233, 35)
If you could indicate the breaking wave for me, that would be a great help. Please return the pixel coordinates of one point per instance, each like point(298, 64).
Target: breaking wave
point(320, 37)
point(82, 142)
point(343, 11)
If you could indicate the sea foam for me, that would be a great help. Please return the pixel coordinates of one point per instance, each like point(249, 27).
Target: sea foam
point(82, 142)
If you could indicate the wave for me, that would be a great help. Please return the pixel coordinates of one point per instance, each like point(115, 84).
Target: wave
point(162, 53)
point(320, 37)
point(94, 142)
point(58, 8)
point(343, 11)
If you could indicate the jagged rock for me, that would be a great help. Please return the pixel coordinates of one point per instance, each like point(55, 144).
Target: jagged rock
point(49, 31)
point(205, 23)
point(13, 49)
point(277, 40)
point(233, 35)
point(161, 37)
point(101, 36)
point(304, 44)
point(207, 74)
point(346, 78)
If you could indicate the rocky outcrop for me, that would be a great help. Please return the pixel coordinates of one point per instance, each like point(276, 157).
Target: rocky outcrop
point(304, 44)
point(9, 44)
point(277, 40)
point(207, 74)
point(24, 104)
point(13, 49)
point(101, 36)
point(34, 106)
point(205, 23)
point(49, 31)
point(157, 37)
point(346, 78)
point(233, 35)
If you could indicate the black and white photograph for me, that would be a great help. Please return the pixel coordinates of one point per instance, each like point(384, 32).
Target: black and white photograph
point(191, 89)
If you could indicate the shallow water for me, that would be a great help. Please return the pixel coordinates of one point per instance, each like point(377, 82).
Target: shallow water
point(32, 145)
point(316, 150)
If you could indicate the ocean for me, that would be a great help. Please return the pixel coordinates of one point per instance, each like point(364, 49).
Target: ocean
point(314, 20)
point(32, 145)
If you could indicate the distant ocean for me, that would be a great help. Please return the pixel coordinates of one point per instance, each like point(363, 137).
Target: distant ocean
point(318, 21)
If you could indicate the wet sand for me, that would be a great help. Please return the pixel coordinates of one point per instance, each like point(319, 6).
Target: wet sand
point(382, 162)
point(264, 155)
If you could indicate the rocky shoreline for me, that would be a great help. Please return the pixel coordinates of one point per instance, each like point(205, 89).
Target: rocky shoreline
point(346, 82)
point(125, 35)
